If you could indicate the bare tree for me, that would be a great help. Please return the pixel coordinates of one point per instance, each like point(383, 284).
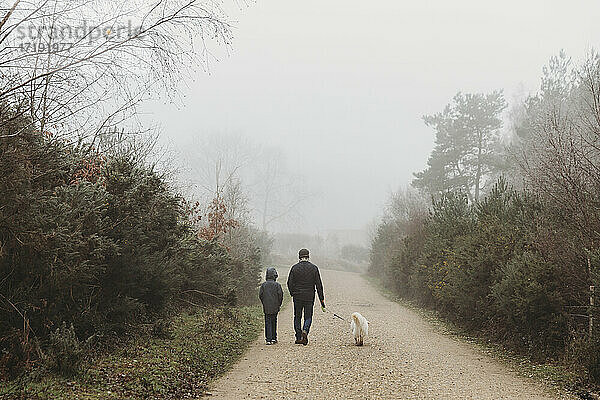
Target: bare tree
point(215, 162)
point(559, 150)
point(83, 65)
point(404, 206)
point(279, 193)
point(274, 193)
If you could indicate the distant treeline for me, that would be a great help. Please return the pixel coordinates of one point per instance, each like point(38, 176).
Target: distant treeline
point(503, 235)
point(95, 244)
point(328, 252)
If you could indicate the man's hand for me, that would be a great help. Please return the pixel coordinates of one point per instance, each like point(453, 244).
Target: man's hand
point(323, 306)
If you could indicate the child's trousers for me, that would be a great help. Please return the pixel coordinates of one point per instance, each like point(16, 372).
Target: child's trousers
point(270, 327)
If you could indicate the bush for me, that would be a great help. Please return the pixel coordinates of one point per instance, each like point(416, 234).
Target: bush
point(507, 267)
point(449, 220)
point(584, 352)
point(99, 241)
point(65, 352)
point(528, 305)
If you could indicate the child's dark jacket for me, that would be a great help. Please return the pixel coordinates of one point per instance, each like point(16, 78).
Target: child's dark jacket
point(271, 293)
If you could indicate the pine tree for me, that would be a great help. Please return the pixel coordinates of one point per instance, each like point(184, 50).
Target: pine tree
point(465, 143)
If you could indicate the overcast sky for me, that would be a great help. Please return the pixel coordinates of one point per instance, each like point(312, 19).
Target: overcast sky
point(341, 86)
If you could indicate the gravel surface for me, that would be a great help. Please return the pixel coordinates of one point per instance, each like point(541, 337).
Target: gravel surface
point(404, 357)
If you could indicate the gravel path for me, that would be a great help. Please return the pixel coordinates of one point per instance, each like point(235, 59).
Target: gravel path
point(404, 357)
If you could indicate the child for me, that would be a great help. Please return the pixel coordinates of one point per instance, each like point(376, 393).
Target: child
point(271, 296)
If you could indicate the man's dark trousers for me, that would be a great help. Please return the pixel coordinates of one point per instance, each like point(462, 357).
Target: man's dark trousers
point(306, 307)
point(270, 327)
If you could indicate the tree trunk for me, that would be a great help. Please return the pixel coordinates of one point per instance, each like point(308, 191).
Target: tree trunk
point(264, 213)
point(478, 175)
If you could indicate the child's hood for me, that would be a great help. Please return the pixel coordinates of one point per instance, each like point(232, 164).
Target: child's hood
point(272, 274)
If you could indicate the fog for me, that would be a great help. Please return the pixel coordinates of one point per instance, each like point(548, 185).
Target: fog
point(339, 88)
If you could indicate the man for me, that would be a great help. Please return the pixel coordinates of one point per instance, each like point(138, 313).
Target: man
point(302, 281)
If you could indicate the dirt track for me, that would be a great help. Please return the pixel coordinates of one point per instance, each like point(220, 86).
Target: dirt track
point(404, 357)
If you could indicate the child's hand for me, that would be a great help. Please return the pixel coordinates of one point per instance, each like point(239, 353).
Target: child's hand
point(323, 308)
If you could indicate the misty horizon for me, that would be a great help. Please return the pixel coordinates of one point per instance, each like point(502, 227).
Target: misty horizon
point(349, 97)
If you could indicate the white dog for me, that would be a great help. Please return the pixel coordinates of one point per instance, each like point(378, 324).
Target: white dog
point(359, 327)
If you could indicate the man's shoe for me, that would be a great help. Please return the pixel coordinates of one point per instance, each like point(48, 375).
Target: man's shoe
point(299, 341)
point(273, 341)
point(268, 343)
point(304, 338)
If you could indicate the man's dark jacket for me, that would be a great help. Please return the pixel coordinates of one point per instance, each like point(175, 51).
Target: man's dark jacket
point(271, 293)
point(302, 281)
